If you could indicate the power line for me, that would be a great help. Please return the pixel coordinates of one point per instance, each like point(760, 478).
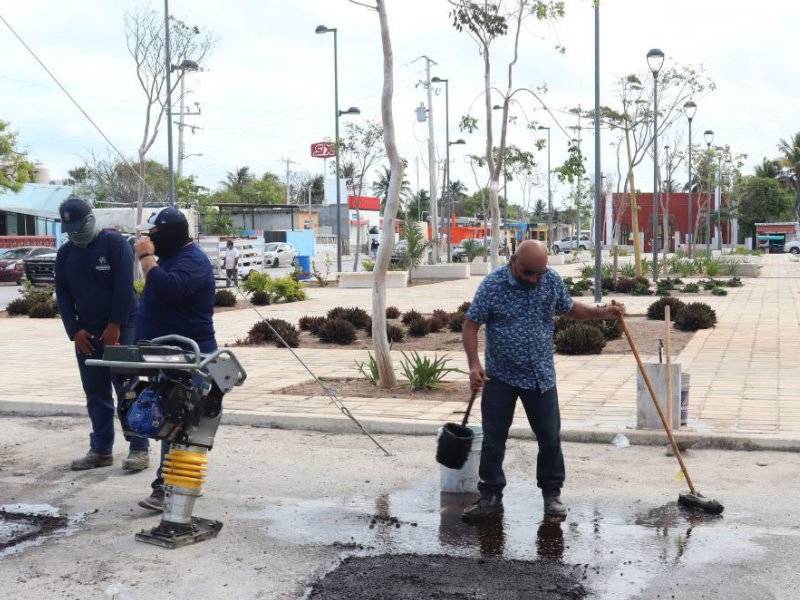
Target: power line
point(76, 103)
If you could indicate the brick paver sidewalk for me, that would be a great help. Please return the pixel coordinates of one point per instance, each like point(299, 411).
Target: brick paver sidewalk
point(744, 376)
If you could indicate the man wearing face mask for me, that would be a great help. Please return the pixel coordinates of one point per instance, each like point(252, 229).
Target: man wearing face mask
point(94, 291)
point(178, 296)
point(518, 303)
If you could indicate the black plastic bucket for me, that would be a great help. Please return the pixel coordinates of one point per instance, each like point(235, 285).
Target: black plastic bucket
point(454, 445)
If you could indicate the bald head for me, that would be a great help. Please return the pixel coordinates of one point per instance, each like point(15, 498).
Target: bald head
point(529, 262)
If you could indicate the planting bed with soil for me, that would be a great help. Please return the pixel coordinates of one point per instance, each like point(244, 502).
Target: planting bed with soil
point(358, 387)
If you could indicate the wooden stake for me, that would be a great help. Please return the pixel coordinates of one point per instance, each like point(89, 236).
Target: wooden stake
point(667, 337)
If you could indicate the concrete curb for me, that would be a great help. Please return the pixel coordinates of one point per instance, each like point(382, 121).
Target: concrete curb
point(385, 426)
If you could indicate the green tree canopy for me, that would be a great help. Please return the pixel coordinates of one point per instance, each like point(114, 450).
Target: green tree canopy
point(15, 169)
point(241, 186)
point(761, 199)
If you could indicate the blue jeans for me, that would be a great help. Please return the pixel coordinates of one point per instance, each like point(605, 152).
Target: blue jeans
point(97, 384)
point(497, 408)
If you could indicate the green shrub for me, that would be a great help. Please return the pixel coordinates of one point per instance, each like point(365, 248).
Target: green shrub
point(256, 282)
point(392, 312)
point(424, 373)
point(664, 285)
point(587, 272)
point(691, 288)
point(436, 324)
point(464, 307)
point(712, 267)
point(628, 270)
point(611, 328)
point(456, 323)
point(368, 264)
point(409, 316)
point(224, 298)
point(580, 338)
point(718, 291)
point(43, 310)
point(656, 310)
point(419, 327)
point(310, 323)
point(625, 285)
point(286, 289)
point(442, 315)
point(337, 331)
point(369, 369)
point(733, 282)
point(694, 316)
point(260, 298)
point(640, 290)
point(393, 333)
point(264, 332)
point(18, 306)
point(355, 315)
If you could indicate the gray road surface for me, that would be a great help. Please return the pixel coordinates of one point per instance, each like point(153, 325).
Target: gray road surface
point(295, 503)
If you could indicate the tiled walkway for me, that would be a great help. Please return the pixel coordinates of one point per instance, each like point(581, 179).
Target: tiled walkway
point(744, 372)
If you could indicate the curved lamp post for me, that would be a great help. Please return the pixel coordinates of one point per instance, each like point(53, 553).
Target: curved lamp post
point(690, 109)
point(708, 134)
point(655, 60)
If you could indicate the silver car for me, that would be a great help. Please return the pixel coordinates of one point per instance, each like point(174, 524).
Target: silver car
point(279, 254)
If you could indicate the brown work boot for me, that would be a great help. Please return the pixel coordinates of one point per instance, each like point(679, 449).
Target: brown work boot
point(138, 460)
point(553, 507)
point(92, 460)
point(485, 508)
point(154, 501)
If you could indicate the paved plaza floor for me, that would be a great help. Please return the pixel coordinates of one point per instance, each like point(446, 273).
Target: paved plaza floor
point(744, 375)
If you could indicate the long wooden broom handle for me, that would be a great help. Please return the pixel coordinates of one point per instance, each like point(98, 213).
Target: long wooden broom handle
point(469, 408)
point(649, 385)
point(668, 337)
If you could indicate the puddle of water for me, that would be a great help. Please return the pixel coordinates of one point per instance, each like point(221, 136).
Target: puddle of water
point(621, 548)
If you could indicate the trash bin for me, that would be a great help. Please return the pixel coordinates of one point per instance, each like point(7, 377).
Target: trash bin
point(304, 262)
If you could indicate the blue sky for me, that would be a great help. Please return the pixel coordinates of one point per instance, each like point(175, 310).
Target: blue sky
point(267, 90)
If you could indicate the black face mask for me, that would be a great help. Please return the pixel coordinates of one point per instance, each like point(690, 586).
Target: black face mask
point(168, 239)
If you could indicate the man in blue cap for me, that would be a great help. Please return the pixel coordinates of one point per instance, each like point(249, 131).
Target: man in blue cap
point(94, 290)
point(178, 296)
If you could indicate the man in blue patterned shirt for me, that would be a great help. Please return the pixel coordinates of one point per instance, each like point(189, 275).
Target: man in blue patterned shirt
point(517, 303)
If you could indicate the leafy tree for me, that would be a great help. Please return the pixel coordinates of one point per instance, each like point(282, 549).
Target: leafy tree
point(790, 161)
point(761, 199)
point(380, 187)
point(485, 22)
point(144, 31)
point(305, 182)
point(418, 204)
point(15, 169)
point(540, 209)
point(768, 168)
point(241, 186)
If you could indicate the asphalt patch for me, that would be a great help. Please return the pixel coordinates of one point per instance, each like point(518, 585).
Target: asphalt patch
point(440, 577)
point(17, 527)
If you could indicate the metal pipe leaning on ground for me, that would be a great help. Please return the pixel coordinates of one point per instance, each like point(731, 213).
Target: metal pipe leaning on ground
point(175, 395)
point(692, 499)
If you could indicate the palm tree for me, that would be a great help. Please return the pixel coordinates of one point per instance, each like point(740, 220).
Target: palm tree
point(791, 164)
point(380, 187)
point(236, 180)
point(768, 168)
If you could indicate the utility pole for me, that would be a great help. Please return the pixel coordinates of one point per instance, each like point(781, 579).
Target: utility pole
point(168, 59)
point(184, 113)
point(598, 172)
point(432, 162)
point(288, 162)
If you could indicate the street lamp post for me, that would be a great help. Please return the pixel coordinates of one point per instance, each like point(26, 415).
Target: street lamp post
point(170, 170)
point(447, 191)
point(598, 174)
point(549, 192)
point(655, 60)
point(689, 109)
point(709, 137)
point(719, 201)
point(337, 113)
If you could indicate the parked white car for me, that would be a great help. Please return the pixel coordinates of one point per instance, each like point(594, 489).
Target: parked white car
point(279, 254)
point(568, 244)
point(793, 247)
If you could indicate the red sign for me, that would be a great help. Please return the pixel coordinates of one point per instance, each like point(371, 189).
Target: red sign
point(323, 150)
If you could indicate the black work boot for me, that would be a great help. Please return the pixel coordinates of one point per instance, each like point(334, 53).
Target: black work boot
point(553, 506)
point(484, 508)
point(154, 501)
point(138, 460)
point(92, 460)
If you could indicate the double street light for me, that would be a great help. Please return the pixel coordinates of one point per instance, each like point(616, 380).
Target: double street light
point(549, 191)
point(655, 60)
point(321, 29)
point(708, 134)
point(690, 109)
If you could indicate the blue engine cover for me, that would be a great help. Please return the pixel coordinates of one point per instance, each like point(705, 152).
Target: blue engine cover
point(145, 416)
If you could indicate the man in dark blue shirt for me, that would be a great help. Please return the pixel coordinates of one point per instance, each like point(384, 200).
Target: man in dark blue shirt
point(94, 290)
point(178, 296)
point(517, 303)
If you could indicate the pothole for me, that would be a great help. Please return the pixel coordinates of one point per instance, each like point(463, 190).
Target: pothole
point(423, 576)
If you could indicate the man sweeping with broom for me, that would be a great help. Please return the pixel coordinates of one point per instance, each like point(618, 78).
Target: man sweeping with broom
point(517, 303)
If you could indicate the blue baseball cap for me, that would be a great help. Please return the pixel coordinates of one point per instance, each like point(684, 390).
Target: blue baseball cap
point(166, 216)
point(73, 212)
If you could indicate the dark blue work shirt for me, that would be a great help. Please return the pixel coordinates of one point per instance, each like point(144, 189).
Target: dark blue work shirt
point(519, 326)
point(178, 298)
point(94, 285)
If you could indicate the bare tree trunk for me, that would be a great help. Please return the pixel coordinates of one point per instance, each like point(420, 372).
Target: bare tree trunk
point(140, 191)
point(637, 251)
point(358, 234)
point(383, 355)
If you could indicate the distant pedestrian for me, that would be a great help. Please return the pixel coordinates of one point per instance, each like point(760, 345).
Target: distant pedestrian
point(374, 247)
point(231, 260)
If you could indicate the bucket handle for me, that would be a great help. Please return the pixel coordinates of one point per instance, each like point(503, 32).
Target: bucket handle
point(469, 408)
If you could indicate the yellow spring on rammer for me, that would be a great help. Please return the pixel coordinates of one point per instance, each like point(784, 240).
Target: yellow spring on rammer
point(185, 468)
